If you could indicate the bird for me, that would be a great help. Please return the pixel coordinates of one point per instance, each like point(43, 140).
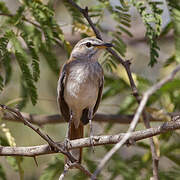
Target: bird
point(80, 88)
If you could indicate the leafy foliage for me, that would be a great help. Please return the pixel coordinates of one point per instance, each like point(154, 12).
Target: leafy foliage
point(29, 36)
point(120, 13)
point(5, 57)
point(2, 173)
point(53, 169)
point(175, 14)
point(151, 16)
point(39, 36)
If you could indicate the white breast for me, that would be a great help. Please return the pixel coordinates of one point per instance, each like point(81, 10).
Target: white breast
point(82, 86)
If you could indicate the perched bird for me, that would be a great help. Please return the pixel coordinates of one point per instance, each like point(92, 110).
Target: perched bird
point(80, 88)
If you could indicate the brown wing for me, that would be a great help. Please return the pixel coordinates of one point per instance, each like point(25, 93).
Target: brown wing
point(60, 99)
point(99, 95)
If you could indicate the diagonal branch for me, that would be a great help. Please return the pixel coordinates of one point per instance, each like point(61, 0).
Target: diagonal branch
point(125, 63)
point(52, 144)
point(139, 111)
point(60, 148)
point(74, 165)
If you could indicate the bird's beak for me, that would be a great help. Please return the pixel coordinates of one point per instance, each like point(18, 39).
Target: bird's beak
point(103, 45)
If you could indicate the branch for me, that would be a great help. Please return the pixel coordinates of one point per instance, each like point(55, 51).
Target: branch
point(30, 22)
point(52, 144)
point(56, 118)
point(85, 142)
point(140, 109)
point(74, 165)
point(23, 18)
point(85, 14)
point(126, 63)
point(155, 158)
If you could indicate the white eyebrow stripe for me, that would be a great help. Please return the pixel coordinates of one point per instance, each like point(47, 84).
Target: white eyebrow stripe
point(94, 41)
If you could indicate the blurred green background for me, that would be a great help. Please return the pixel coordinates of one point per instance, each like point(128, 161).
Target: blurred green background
point(132, 162)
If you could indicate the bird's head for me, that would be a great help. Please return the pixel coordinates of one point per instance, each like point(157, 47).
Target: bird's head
point(89, 48)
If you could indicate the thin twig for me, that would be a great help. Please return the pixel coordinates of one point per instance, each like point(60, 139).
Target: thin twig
point(52, 144)
point(83, 169)
point(24, 19)
point(70, 165)
point(60, 148)
point(85, 14)
point(66, 168)
point(143, 102)
point(85, 142)
point(125, 63)
point(31, 22)
point(155, 158)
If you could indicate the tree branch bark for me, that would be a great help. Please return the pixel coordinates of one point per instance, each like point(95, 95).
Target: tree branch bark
point(134, 122)
point(53, 145)
point(85, 142)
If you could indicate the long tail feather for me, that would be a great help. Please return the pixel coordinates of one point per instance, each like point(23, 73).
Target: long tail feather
point(76, 133)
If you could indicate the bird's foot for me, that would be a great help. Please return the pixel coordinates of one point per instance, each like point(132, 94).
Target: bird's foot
point(66, 143)
point(130, 142)
point(92, 143)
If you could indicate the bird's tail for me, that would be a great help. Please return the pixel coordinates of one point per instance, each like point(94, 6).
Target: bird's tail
point(76, 133)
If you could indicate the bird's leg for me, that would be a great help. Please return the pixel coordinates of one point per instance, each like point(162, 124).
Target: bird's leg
point(68, 131)
point(90, 116)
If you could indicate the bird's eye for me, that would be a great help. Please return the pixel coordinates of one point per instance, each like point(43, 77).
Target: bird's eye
point(88, 44)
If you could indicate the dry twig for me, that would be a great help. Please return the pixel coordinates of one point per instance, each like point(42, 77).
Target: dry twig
point(143, 102)
point(52, 144)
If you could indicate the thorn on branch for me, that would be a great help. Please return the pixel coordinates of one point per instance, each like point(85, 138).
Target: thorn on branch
point(130, 142)
point(86, 9)
point(128, 62)
point(35, 160)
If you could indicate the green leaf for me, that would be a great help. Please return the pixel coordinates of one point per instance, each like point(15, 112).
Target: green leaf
point(54, 169)
point(7, 66)
point(167, 28)
point(16, 19)
point(27, 76)
point(151, 15)
point(2, 173)
point(176, 24)
point(24, 95)
point(169, 61)
point(114, 87)
point(13, 162)
point(174, 158)
point(35, 58)
point(50, 58)
point(91, 165)
point(5, 57)
point(4, 8)
point(22, 60)
point(3, 141)
point(125, 30)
